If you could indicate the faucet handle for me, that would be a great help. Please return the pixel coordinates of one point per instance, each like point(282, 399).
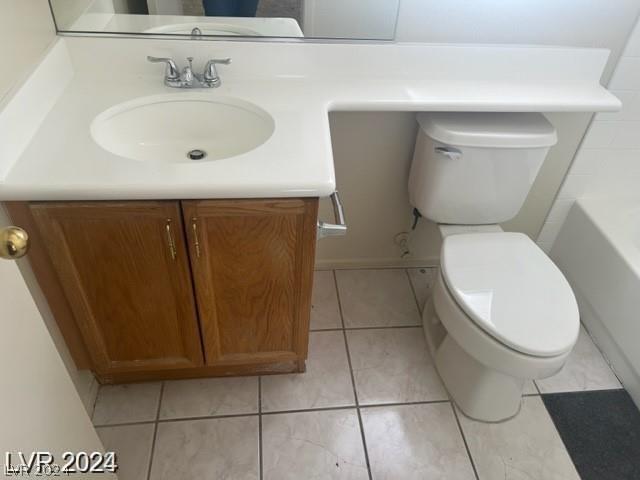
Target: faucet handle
point(171, 71)
point(223, 61)
point(210, 72)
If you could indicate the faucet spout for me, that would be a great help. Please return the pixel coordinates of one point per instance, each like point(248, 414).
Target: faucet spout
point(187, 75)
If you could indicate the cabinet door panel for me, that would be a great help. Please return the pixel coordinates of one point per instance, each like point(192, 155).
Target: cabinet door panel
point(124, 268)
point(252, 262)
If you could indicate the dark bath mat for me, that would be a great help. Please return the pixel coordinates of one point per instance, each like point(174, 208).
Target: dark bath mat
point(601, 431)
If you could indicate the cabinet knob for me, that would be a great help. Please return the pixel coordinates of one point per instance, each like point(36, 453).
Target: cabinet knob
point(14, 243)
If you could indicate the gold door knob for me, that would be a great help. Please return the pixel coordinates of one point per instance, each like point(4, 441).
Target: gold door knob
point(14, 243)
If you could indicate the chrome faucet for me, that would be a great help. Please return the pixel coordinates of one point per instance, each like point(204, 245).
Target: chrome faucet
point(186, 78)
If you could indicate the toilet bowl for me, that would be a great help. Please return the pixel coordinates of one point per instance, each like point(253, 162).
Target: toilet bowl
point(501, 313)
point(506, 315)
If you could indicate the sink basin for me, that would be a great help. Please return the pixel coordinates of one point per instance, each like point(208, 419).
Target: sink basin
point(182, 128)
point(207, 28)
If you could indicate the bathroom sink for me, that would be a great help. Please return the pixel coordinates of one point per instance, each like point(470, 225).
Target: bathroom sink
point(182, 128)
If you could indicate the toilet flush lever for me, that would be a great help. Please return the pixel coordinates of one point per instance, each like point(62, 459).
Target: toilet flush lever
point(334, 229)
point(451, 153)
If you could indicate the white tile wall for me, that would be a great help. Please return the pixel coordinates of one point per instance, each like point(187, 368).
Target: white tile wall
point(609, 158)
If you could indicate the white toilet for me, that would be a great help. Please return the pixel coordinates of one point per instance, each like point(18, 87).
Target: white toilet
point(501, 312)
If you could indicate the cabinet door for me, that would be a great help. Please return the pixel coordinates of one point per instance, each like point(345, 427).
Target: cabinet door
point(124, 269)
point(252, 264)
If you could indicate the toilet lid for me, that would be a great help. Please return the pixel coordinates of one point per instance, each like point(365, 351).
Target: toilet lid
point(512, 290)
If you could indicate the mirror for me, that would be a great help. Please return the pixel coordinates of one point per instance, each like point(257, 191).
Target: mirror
point(338, 19)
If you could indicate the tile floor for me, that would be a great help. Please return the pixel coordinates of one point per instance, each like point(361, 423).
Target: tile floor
point(370, 406)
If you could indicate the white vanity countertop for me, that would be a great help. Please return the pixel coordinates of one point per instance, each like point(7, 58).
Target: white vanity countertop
point(51, 155)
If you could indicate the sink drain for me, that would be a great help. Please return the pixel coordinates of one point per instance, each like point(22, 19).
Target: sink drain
point(196, 154)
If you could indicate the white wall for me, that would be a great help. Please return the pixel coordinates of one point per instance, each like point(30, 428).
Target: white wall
point(349, 18)
point(608, 161)
point(372, 151)
point(26, 30)
point(586, 23)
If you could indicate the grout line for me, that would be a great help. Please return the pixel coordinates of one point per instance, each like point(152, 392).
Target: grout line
point(206, 417)
point(353, 382)
point(95, 398)
point(260, 426)
point(383, 267)
point(537, 387)
point(313, 330)
point(160, 401)
point(413, 290)
point(335, 284)
point(404, 404)
point(125, 424)
point(309, 410)
point(384, 327)
point(464, 440)
point(278, 412)
point(359, 413)
point(604, 356)
point(155, 432)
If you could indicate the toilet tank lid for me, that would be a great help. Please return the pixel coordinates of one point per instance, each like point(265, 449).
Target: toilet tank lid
point(489, 130)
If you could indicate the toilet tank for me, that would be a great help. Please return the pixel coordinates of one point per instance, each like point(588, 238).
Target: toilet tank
point(477, 168)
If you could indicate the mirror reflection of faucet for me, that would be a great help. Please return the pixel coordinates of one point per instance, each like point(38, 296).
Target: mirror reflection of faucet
point(186, 78)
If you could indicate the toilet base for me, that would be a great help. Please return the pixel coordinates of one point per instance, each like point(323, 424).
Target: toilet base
point(480, 392)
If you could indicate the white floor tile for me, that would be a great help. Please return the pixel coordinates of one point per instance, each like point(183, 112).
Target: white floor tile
point(220, 448)
point(132, 445)
point(585, 369)
point(422, 281)
point(322, 444)
point(325, 311)
point(415, 442)
point(326, 383)
point(209, 397)
point(377, 298)
point(392, 365)
point(524, 448)
point(129, 403)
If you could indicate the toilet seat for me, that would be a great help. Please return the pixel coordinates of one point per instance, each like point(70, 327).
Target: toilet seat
point(512, 291)
point(483, 347)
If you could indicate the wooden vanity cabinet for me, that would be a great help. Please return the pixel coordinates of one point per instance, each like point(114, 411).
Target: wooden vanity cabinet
point(170, 289)
point(124, 270)
point(252, 264)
